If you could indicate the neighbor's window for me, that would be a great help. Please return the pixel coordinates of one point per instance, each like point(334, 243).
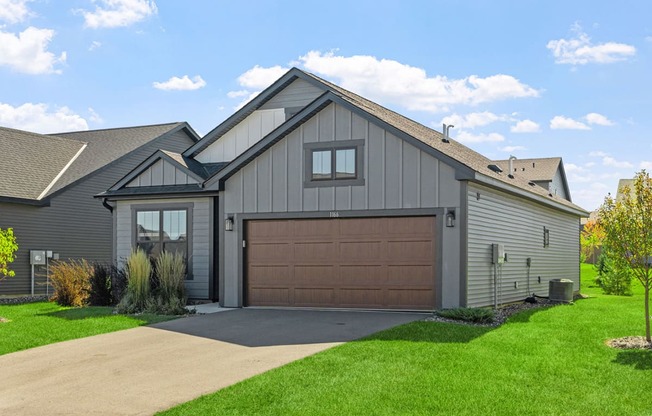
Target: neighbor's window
point(158, 230)
point(546, 237)
point(334, 164)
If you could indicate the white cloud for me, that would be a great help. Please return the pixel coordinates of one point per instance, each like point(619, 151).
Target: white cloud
point(94, 45)
point(392, 82)
point(236, 94)
point(580, 51)
point(571, 167)
point(473, 120)
point(181, 84)
point(566, 123)
point(466, 137)
point(27, 52)
point(39, 118)
point(597, 153)
point(118, 13)
point(94, 117)
point(259, 77)
point(613, 163)
point(525, 126)
point(510, 149)
point(599, 119)
point(648, 38)
point(647, 165)
point(14, 11)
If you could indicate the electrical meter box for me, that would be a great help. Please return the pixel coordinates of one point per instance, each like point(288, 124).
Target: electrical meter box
point(498, 254)
point(37, 257)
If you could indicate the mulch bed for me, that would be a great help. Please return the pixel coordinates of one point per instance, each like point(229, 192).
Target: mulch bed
point(22, 299)
point(630, 343)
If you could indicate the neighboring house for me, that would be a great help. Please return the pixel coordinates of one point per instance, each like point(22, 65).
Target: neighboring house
point(48, 183)
point(312, 196)
point(547, 172)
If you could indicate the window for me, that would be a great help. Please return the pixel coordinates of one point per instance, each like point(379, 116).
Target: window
point(546, 237)
point(162, 229)
point(334, 163)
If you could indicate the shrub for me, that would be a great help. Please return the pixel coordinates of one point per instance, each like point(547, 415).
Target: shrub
point(8, 248)
point(71, 282)
point(118, 284)
point(171, 272)
point(475, 315)
point(612, 278)
point(100, 285)
point(139, 272)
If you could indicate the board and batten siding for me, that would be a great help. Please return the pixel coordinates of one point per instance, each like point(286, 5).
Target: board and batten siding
point(200, 256)
point(241, 137)
point(396, 176)
point(497, 217)
point(75, 225)
point(299, 93)
point(161, 172)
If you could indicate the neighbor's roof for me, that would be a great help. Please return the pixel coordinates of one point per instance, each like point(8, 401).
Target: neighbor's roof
point(539, 169)
point(44, 164)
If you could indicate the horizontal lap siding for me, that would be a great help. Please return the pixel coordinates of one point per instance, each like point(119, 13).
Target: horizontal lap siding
point(518, 224)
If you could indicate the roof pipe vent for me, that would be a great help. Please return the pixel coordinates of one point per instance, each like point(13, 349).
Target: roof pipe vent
point(511, 166)
point(445, 129)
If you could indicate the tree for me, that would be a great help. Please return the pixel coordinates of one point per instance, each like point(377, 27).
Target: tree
point(627, 225)
point(8, 247)
point(591, 240)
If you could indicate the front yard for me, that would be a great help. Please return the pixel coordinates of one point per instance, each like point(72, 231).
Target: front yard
point(34, 324)
point(552, 361)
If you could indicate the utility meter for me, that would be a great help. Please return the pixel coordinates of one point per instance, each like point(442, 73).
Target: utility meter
point(498, 254)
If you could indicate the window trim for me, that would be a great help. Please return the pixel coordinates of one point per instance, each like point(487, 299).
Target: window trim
point(188, 206)
point(546, 237)
point(333, 146)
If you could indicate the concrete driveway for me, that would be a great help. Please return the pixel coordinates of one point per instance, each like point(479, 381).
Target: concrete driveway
point(143, 370)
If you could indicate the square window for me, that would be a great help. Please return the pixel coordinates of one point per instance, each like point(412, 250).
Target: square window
point(163, 230)
point(336, 163)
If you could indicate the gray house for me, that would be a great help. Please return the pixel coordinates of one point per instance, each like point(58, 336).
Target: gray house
point(548, 173)
point(47, 189)
point(312, 196)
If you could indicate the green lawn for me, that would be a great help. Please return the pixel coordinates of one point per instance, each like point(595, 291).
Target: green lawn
point(545, 362)
point(34, 324)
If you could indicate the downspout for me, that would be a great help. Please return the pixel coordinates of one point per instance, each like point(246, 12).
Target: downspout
point(106, 205)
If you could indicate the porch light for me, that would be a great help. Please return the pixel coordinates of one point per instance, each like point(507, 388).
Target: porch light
point(450, 219)
point(228, 224)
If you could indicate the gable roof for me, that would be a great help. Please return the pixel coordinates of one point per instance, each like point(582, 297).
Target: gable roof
point(43, 165)
point(469, 164)
point(35, 161)
point(538, 170)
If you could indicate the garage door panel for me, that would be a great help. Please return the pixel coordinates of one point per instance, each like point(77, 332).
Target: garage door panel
point(313, 296)
point(354, 262)
point(269, 296)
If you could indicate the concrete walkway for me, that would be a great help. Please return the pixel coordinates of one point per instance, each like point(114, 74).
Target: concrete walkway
point(143, 370)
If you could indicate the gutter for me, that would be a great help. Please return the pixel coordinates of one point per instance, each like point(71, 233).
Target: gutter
point(106, 205)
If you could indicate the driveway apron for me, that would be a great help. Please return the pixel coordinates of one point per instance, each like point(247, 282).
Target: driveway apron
point(143, 370)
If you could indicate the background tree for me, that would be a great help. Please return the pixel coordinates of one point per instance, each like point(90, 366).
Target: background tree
point(627, 225)
point(591, 240)
point(8, 247)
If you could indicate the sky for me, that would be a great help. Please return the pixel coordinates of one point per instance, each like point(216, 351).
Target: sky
point(523, 78)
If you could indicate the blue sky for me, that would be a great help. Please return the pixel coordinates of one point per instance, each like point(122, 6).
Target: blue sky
point(531, 79)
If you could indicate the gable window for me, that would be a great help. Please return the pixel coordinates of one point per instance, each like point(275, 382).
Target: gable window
point(334, 163)
point(159, 230)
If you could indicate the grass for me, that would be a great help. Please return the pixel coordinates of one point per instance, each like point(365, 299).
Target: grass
point(34, 324)
point(544, 362)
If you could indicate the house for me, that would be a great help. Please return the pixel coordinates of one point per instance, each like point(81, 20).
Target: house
point(313, 196)
point(547, 172)
point(47, 187)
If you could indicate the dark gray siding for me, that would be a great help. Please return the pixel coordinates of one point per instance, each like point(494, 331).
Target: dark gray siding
point(75, 225)
point(496, 217)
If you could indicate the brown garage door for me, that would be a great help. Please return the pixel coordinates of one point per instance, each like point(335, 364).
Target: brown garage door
point(347, 263)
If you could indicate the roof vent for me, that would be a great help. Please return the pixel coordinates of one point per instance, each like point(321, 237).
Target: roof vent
point(495, 168)
point(532, 183)
point(446, 128)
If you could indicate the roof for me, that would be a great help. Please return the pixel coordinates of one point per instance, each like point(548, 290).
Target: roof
point(34, 162)
point(539, 169)
point(46, 164)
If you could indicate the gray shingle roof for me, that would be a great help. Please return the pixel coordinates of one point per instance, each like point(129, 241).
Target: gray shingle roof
point(453, 149)
point(32, 161)
point(541, 169)
point(106, 146)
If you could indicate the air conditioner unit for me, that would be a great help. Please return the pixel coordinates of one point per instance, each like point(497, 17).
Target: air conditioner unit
point(560, 290)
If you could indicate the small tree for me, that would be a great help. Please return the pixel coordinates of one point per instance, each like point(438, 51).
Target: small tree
point(8, 247)
point(627, 225)
point(591, 240)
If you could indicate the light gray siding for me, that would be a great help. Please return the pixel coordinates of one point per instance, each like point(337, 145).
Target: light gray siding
point(75, 225)
point(299, 93)
point(496, 217)
point(200, 237)
point(396, 176)
point(557, 186)
point(161, 172)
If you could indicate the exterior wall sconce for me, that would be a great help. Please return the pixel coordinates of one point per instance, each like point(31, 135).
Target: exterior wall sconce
point(450, 219)
point(228, 224)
